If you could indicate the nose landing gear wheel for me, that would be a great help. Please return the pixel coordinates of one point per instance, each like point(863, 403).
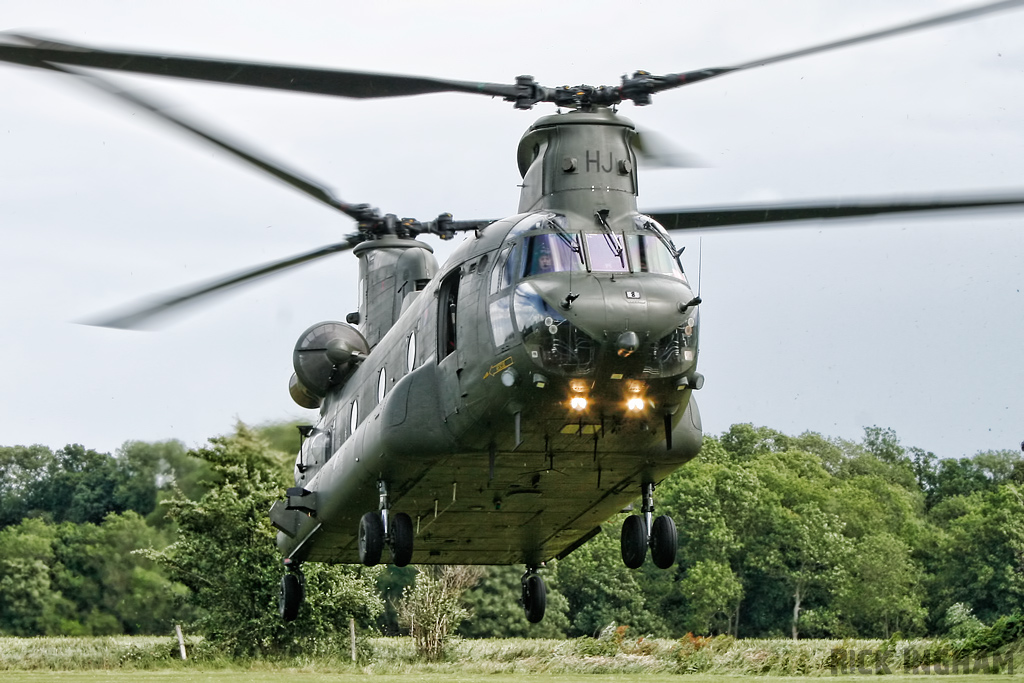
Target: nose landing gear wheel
point(371, 538)
point(401, 539)
point(634, 541)
point(664, 542)
point(290, 597)
point(535, 597)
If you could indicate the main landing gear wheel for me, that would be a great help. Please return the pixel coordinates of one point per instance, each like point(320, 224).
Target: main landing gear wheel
point(535, 596)
point(290, 598)
point(634, 541)
point(664, 542)
point(371, 538)
point(401, 533)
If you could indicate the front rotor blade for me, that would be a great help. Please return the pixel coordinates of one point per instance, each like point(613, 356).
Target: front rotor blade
point(138, 317)
point(687, 77)
point(703, 218)
point(341, 83)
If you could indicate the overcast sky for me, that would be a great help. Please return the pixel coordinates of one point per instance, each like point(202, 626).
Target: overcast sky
point(913, 324)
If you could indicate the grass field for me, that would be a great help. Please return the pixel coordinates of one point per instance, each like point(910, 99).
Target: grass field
point(295, 676)
point(617, 658)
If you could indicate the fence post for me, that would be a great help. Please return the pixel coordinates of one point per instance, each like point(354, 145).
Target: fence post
point(181, 640)
point(352, 632)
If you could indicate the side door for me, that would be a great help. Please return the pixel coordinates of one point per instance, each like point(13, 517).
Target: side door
point(448, 352)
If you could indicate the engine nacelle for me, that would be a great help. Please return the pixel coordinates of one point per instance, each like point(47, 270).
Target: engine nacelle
point(325, 356)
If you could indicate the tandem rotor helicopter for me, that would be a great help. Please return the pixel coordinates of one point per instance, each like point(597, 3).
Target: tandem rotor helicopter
point(499, 408)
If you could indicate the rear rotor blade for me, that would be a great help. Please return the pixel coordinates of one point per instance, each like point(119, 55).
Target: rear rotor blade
point(687, 77)
point(311, 188)
point(657, 151)
point(748, 215)
point(137, 317)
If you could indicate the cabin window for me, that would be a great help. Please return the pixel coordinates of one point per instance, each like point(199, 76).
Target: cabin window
point(410, 354)
point(328, 445)
point(353, 420)
point(382, 384)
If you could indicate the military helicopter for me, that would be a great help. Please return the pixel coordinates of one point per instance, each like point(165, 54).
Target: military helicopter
point(499, 408)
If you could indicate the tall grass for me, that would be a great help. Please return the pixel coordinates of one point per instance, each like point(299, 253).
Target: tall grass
point(66, 653)
point(616, 651)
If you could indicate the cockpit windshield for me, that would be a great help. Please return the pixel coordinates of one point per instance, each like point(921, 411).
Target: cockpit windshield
point(648, 254)
point(606, 252)
point(550, 253)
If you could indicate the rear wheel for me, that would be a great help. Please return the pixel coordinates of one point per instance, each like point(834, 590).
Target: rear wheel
point(401, 539)
point(371, 538)
point(664, 542)
point(535, 598)
point(634, 541)
point(290, 598)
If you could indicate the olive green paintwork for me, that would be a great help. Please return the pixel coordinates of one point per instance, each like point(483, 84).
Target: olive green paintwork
point(476, 438)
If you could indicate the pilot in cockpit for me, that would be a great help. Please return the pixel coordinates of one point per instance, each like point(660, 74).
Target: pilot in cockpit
point(545, 263)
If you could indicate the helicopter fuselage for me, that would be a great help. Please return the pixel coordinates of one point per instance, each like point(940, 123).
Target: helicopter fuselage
point(527, 391)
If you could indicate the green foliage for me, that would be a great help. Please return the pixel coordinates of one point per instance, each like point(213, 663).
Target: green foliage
point(961, 623)
point(712, 591)
point(80, 485)
point(391, 583)
point(601, 590)
point(225, 554)
point(83, 579)
point(885, 590)
point(118, 589)
point(29, 602)
point(21, 468)
point(496, 612)
point(865, 538)
point(975, 560)
point(1007, 630)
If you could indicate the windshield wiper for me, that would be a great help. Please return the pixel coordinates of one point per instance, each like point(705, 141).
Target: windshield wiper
point(564, 235)
point(609, 236)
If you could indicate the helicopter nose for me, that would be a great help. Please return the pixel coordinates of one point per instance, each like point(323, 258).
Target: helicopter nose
point(622, 311)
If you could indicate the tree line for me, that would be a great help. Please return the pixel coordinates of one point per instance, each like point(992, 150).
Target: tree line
point(780, 536)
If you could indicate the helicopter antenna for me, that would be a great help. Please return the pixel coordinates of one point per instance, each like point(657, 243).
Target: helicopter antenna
point(700, 261)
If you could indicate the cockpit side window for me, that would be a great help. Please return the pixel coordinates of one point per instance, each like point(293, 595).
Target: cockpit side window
point(501, 273)
point(498, 309)
point(550, 253)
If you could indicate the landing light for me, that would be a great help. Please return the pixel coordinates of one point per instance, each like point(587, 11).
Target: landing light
point(578, 403)
point(635, 404)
